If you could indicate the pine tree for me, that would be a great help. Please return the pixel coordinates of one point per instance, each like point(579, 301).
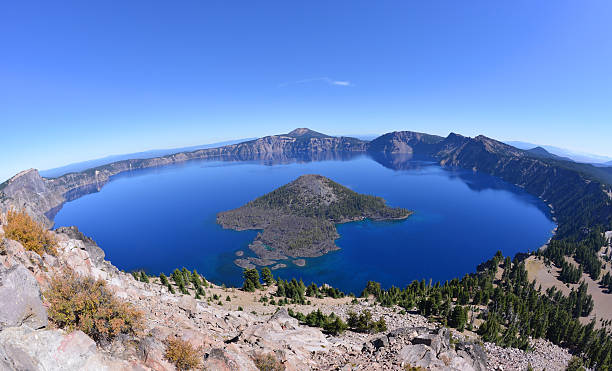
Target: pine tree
point(195, 279)
point(251, 280)
point(163, 279)
point(458, 318)
point(267, 276)
point(177, 277)
point(186, 276)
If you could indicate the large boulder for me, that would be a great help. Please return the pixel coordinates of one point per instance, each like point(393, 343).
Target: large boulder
point(282, 335)
point(20, 299)
point(474, 353)
point(96, 254)
point(284, 331)
point(22, 348)
point(438, 340)
point(432, 350)
point(228, 358)
point(420, 355)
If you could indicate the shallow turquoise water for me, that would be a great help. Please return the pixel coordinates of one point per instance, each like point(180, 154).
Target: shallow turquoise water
point(164, 218)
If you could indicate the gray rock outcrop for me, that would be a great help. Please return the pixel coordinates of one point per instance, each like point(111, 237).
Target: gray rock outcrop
point(22, 348)
point(433, 351)
point(20, 299)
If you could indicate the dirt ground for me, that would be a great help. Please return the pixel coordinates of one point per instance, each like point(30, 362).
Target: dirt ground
point(547, 277)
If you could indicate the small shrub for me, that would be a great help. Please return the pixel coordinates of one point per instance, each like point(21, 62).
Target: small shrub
point(32, 235)
point(380, 325)
point(363, 322)
point(182, 354)
point(228, 298)
point(82, 303)
point(575, 364)
point(268, 362)
point(331, 324)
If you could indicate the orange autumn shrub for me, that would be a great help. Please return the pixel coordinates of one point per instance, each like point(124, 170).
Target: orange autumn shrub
point(82, 303)
point(182, 354)
point(32, 235)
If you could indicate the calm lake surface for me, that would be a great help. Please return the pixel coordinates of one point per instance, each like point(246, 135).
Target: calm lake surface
point(164, 218)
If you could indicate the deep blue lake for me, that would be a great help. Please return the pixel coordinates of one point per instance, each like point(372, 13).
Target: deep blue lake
point(164, 218)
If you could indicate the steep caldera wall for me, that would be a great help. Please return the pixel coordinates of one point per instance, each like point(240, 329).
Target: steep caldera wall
point(42, 197)
point(578, 193)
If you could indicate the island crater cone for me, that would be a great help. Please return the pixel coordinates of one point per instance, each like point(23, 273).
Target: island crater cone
point(299, 218)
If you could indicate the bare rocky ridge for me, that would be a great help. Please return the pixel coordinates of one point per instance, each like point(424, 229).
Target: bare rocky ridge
point(229, 338)
point(298, 219)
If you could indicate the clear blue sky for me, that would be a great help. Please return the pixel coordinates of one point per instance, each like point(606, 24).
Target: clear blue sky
point(85, 79)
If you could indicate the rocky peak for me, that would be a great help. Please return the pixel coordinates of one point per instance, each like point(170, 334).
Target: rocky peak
point(494, 146)
point(27, 180)
point(305, 132)
point(313, 185)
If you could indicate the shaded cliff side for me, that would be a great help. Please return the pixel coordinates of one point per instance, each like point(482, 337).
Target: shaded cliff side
point(579, 193)
point(42, 197)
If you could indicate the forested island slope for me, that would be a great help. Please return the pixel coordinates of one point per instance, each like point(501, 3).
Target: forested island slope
point(298, 219)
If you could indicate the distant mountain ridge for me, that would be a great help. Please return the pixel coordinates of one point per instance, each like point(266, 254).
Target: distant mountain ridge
point(543, 153)
point(84, 165)
point(565, 185)
point(587, 158)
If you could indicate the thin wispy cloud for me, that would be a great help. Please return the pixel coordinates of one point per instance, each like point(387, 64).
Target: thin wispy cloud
point(325, 80)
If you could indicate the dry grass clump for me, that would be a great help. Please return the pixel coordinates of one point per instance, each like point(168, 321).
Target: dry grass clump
point(413, 368)
point(268, 362)
point(182, 354)
point(82, 303)
point(32, 235)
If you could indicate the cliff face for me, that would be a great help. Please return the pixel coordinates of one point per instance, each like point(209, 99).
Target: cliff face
point(576, 192)
point(579, 191)
point(42, 197)
point(577, 198)
point(299, 141)
point(30, 192)
point(405, 142)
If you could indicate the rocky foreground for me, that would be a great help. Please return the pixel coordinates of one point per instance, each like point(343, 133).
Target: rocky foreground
point(229, 339)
